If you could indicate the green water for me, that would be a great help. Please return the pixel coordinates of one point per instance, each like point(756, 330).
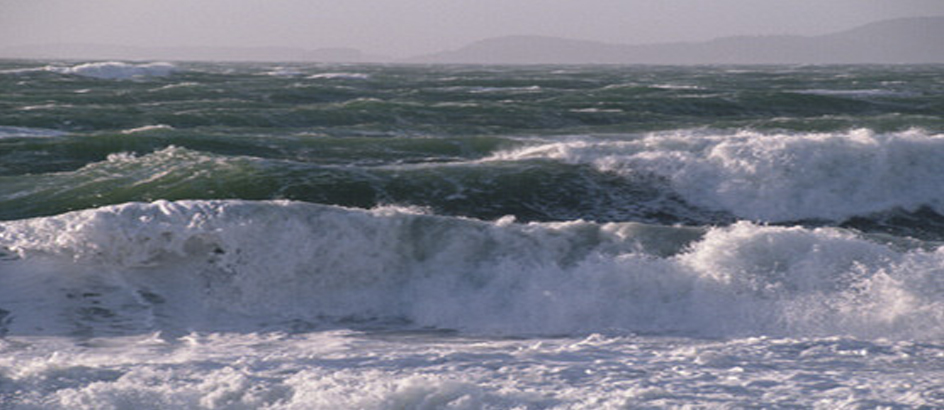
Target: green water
point(367, 135)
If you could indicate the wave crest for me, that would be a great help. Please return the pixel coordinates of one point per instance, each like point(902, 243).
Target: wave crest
point(774, 177)
point(235, 264)
point(114, 70)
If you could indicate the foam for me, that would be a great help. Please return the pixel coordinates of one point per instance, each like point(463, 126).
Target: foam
point(856, 93)
point(344, 369)
point(339, 76)
point(238, 265)
point(113, 70)
point(773, 177)
point(284, 72)
point(147, 128)
point(24, 132)
point(510, 90)
point(677, 87)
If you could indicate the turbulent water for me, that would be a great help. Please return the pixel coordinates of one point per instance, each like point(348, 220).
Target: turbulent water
point(551, 237)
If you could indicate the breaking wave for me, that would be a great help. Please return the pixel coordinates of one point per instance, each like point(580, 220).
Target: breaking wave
point(114, 70)
point(238, 265)
point(773, 177)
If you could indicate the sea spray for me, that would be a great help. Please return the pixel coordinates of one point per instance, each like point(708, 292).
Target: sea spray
point(772, 177)
point(293, 261)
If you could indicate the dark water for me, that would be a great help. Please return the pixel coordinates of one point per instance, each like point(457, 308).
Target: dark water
point(362, 136)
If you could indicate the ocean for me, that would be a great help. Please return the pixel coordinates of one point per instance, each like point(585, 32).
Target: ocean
point(315, 236)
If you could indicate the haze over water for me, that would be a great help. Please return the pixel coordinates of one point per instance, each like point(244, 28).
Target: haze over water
point(397, 30)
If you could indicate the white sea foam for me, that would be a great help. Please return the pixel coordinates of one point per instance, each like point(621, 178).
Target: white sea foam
point(271, 262)
point(677, 87)
point(147, 128)
point(773, 177)
point(510, 90)
point(231, 304)
point(597, 110)
point(348, 370)
point(854, 93)
point(113, 70)
point(21, 132)
point(49, 106)
point(340, 76)
point(185, 84)
point(284, 72)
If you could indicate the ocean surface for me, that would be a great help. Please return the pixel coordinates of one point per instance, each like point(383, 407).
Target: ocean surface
point(279, 236)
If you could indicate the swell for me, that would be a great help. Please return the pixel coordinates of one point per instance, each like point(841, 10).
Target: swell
point(244, 266)
point(464, 100)
point(872, 181)
point(444, 176)
point(25, 153)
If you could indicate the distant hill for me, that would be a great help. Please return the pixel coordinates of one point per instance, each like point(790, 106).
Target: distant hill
point(909, 40)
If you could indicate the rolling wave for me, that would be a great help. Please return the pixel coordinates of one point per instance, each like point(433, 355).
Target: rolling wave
point(860, 177)
point(238, 265)
point(773, 177)
point(114, 70)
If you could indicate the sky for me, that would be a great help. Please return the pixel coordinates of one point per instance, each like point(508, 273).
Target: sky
point(402, 28)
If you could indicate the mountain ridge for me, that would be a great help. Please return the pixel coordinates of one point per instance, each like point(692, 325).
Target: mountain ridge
point(893, 41)
point(908, 40)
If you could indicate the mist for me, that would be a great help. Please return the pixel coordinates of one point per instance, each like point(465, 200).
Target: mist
point(406, 28)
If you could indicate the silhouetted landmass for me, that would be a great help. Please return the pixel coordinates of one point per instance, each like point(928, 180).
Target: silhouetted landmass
point(910, 40)
point(900, 41)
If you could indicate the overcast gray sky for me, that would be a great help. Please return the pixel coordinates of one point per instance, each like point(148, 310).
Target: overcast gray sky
point(401, 28)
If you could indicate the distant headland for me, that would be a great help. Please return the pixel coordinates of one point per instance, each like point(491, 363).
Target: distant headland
point(914, 40)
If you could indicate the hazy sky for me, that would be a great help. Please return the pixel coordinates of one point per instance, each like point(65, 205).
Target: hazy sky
point(407, 27)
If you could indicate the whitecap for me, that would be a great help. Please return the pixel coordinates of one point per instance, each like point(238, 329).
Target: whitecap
point(516, 90)
point(147, 128)
point(773, 177)
point(284, 72)
point(114, 70)
point(24, 132)
point(44, 106)
point(339, 76)
point(245, 263)
point(677, 87)
point(852, 93)
point(597, 110)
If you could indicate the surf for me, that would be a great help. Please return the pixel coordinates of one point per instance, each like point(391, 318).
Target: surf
point(240, 265)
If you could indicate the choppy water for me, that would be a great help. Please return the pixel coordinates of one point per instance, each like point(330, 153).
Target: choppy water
point(346, 236)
